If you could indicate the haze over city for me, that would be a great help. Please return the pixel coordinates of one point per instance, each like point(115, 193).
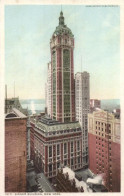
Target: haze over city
point(28, 30)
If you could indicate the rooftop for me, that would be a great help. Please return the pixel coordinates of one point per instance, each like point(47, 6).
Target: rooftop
point(46, 124)
point(15, 114)
point(62, 28)
point(105, 113)
point(77, 182)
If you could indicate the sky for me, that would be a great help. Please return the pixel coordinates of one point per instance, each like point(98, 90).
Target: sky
point(28, 29)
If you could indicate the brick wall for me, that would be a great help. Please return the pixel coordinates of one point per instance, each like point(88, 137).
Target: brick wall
point(116, 167)
point(108, 162)
point(92, 152)
point(15, 155)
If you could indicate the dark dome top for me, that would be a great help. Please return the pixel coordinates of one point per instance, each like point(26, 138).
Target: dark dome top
point(11, 115)
point(62, 28)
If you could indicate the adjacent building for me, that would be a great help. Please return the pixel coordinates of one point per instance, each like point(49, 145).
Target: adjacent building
point(66, 181)
point(62, 72)
point(82, 108)
point(104, 147)
point(28, 139)
point(11, 103)
point(95, 103)
point(15, 151)
point(54, 144)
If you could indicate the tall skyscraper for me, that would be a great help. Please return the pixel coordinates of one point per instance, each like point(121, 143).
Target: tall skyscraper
point(58, 141)
point(82, 107)
point(62, 70)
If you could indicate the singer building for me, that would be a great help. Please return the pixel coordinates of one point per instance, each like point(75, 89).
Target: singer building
point(57, 140)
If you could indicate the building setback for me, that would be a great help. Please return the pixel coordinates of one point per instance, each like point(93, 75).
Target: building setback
point(15, 151)
point(104, 147)
point(55, 144)
point(62, 70)
point(82, 108)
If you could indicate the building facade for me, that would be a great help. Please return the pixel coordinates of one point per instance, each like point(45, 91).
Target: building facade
point(82, 108)
point(62, 70)
point(54, 144)
point(104, 147)
point(48, 90)
point(15, 152)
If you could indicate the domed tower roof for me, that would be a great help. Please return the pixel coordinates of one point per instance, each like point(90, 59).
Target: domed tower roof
point(62, 28)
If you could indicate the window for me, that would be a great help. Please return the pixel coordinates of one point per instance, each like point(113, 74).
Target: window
point(58, 164)
point(71, 146)
point(58, 149)
point(72, 162)
point(78, 145)
point(65, 148)
point(50, 151)
point(65, 162)
point(50, 168)
point(78, 159)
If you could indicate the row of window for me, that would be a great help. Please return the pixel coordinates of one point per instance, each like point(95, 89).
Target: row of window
point(102, 124)
point(65, 163)
point(65, 148)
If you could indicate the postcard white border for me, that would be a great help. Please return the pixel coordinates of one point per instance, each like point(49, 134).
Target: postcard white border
point(2, 83)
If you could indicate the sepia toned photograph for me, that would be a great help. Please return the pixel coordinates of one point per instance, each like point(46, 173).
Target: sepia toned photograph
point(62, 98)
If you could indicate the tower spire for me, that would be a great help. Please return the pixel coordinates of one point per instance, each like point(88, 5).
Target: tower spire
point(61, 18)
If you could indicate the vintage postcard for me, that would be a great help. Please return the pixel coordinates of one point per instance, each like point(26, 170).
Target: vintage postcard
point(61, 97)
